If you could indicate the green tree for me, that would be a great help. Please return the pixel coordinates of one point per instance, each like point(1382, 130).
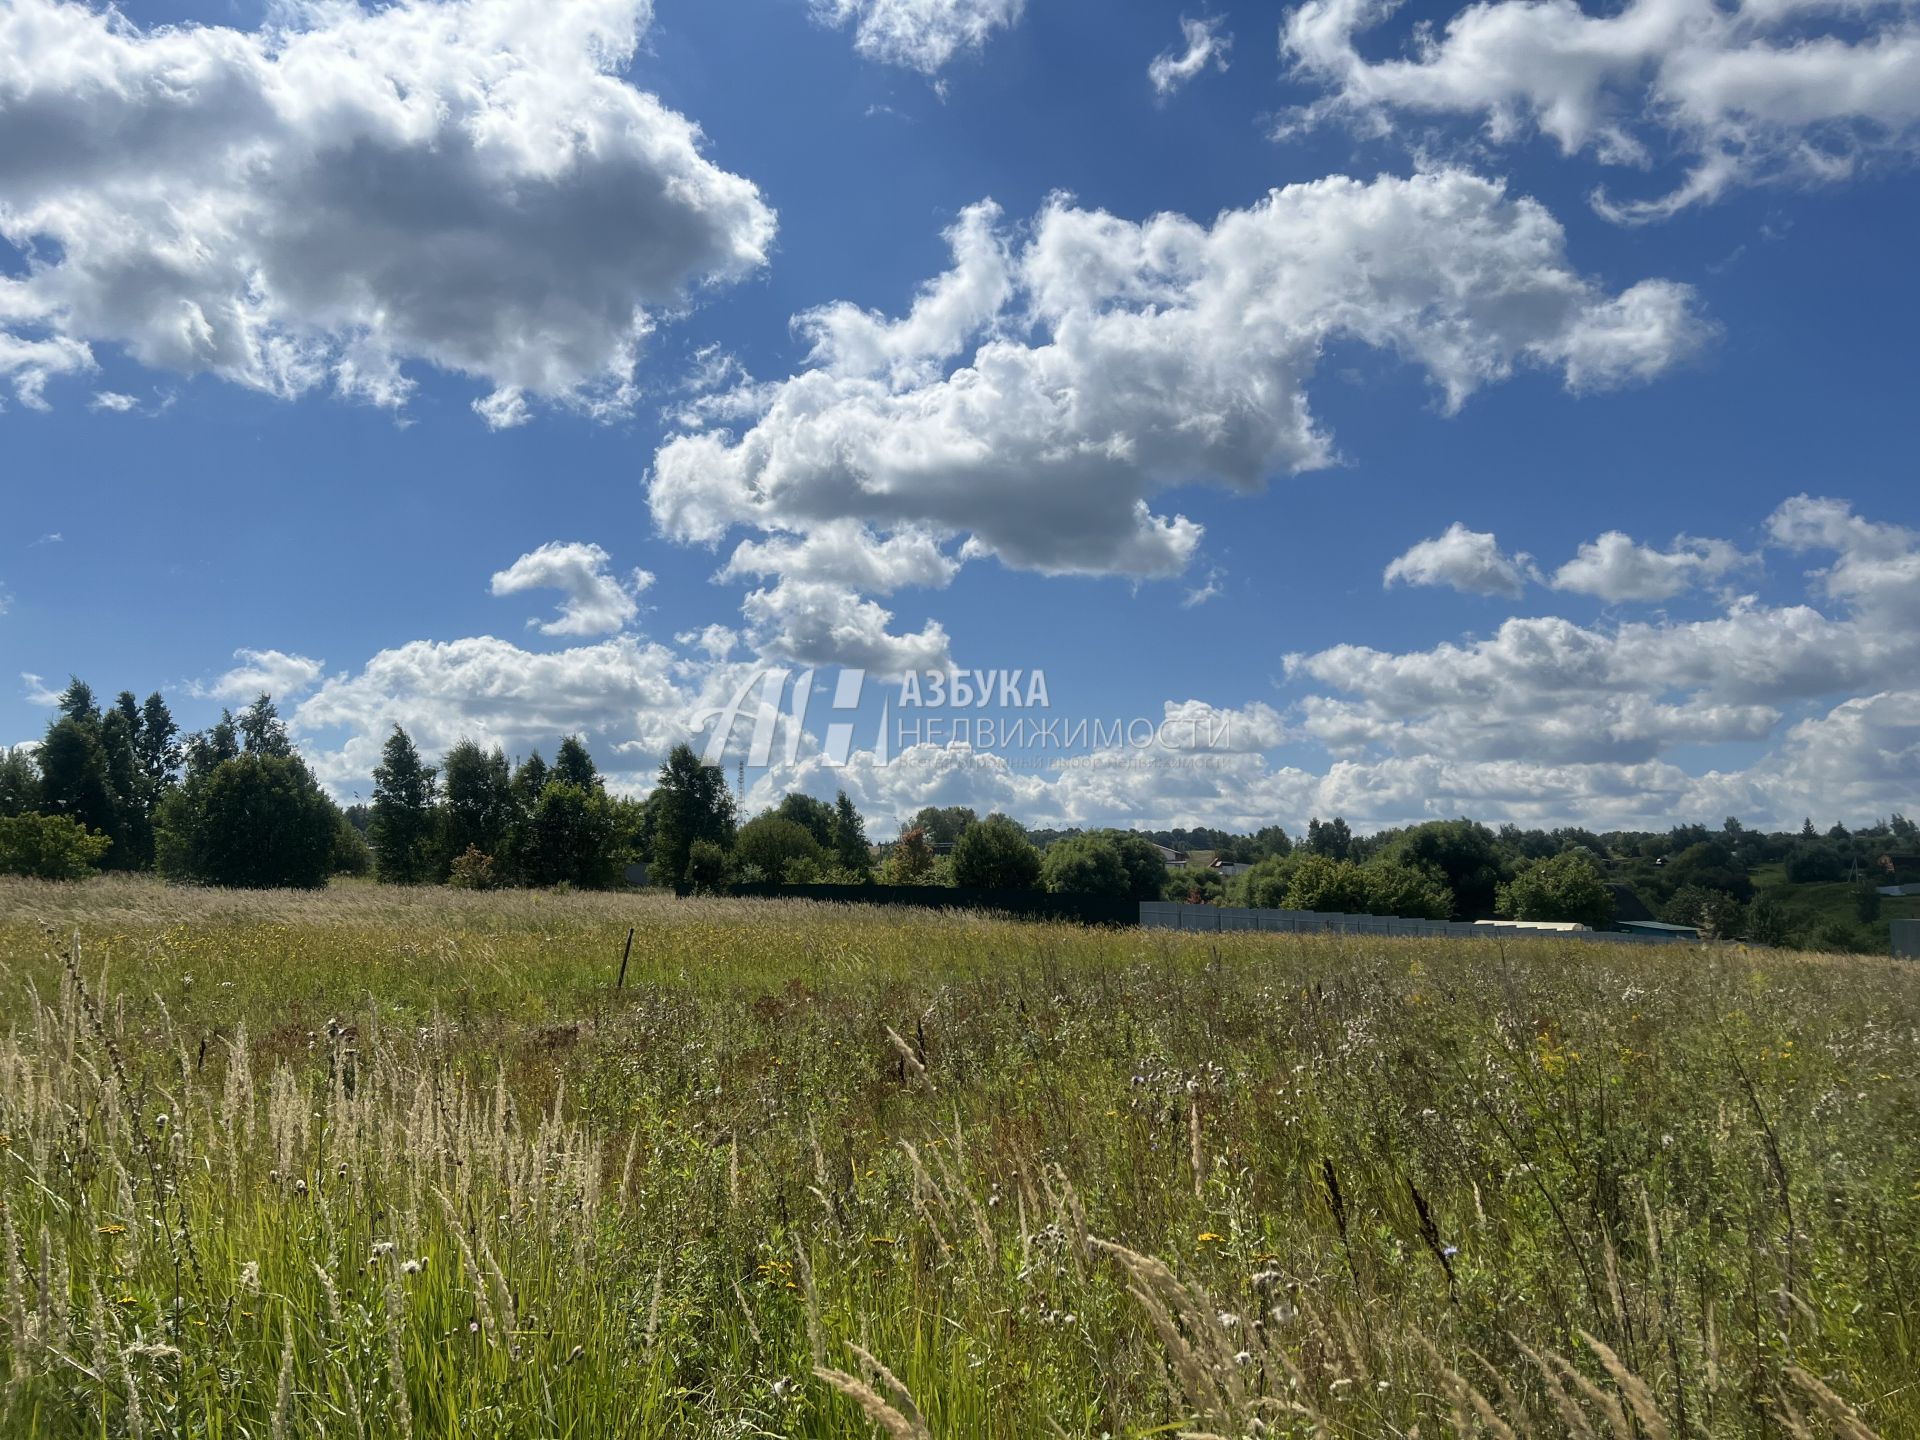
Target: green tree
point(350, 853)
point(1709, 865)
point(1565, 888)
point(995, 855)
point(76, 702)
point(262, 731)
point(911, 861)
point(132, 797)
point(1768, 922)
point(709, 867)
point(1265, 886)
point(691, 802)
point(75, 778)
point(769, 843)
point(569, 838)
point(1404, 890)
point(572, 765)
point(49, 847)
point(158, 747)
point(19, 782)
point(1714, 913)
point(1325, 884)
point(1086, 865)
point(851, 852)
point(1866, 902)
point(815, 816)
point(255, 822)
point(214, 746)
point(1462, 853)
point(1200, 885)
point(403, 818)
point(943, 827)
point(477, 803)
point(1812, 863)
point(1332, 839)
point(529, 779)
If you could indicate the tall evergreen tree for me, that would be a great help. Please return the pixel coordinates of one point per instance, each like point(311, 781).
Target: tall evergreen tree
point(690, 803)
point(476, 801)
point(75, 779)
point(208, 749)
point(262, 730)
point(529, 779)
point(254, 821)
point(158, 747)
point(402, 827)
point(19, 782)
point(850, 849)
point(132, 799)
point(574, 766)
point(76, 702)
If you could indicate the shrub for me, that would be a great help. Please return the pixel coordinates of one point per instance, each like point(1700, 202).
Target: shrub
point(1566, 888)
point(1405, 890)
point(771, 842)
point(1085, 865)
point(709, 867)
point(49, 847)
point(473, 869)
point(1328, 885)
point(996, 855)
point(1815, 864)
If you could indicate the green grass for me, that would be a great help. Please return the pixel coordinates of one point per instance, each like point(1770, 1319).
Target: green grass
point(1813, 909)
point(1050, 1177)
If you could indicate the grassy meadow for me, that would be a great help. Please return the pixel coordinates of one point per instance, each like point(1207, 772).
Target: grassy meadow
point(372, 1163)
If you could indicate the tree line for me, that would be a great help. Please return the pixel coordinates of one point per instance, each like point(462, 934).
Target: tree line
point(118, 787)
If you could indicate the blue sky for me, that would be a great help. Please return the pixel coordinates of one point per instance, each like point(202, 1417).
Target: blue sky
point(253, 281)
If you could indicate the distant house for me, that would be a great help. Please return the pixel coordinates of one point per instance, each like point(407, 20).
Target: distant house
point(1229, 868)
point(1171, 858)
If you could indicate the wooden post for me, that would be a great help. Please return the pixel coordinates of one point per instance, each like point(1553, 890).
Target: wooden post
point(624, 955)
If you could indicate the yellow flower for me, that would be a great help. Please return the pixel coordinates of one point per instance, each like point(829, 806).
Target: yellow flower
point(109, 1229)
point(881, 1240)
point(1207, 1237)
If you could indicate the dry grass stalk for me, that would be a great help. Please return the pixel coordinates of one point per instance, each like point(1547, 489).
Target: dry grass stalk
point(1847, 1423)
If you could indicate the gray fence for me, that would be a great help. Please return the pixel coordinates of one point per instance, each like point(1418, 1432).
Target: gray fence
point(1906, 939)
point(1166, 915)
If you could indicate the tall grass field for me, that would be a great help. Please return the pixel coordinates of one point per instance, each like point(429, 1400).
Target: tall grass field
point(392, 1163)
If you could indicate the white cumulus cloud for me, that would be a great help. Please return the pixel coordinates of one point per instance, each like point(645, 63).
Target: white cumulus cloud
point(1038, 397)
point(923, 35)
point(1748, 91)
point(264, 672)
point(464, 183)
point(1463, 559)
point(594, 600)
point(1614, 568)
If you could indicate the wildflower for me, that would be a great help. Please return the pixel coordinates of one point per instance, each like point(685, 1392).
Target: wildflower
point(1228, 1320)
point(1243, 1358)
point(1207, 1237)
point(109, 1229)
point(160, 1121)
point(414, 1267)
point(250, 1277)
point(299, 1187)
point(1450, 1251)
point(880, 1240)
point(382, 1249)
